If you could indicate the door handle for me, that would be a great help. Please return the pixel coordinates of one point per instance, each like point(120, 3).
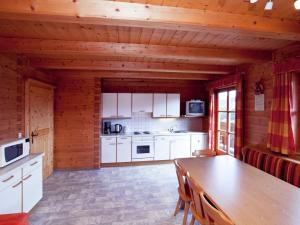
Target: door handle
point(34, 134)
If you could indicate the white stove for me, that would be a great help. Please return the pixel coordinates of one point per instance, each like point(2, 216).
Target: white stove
point(142, 146)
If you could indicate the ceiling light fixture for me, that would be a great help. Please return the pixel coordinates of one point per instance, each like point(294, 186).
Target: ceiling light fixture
point(297, 4)
point(269, 5)
point(253, 1)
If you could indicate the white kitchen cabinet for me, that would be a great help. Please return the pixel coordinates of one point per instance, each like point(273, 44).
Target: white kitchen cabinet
point(11, 194)
point(22, 187)
point(173, 105)
point(162, 148)
point(142, 102)
point(32, 188)
point(124, 105)
point(108, 150)
point(124, 149)
point(199, 142)
point(109, 105)
point(180, 146)
point(159, 105)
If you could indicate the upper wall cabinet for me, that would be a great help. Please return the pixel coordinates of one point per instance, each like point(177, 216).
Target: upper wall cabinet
point(142, 103)
point(109, 105)
point(159, 105)
point(124, 105)
point(166, 105)
point(173, 105)
point(116, 105)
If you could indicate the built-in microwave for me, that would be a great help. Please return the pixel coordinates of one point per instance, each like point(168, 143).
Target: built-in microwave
point(13, 151)
point(195, 108)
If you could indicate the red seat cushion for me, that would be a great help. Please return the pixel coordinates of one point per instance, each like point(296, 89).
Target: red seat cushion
point(296, 180)
point(274, 166)
point(289, 170)
point(14, 219)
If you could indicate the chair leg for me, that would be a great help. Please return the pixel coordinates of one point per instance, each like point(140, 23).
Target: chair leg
point(186, 211)
point(193, 221)
point(177, 206)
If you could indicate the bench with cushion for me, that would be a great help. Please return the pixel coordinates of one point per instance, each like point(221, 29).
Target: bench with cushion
point(276, 165)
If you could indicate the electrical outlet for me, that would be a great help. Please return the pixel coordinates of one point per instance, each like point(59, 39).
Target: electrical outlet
point(20, 135)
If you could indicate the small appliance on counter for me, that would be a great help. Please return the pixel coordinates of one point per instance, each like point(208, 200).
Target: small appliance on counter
point(13, 151)
point(118, 128)
point(107, 127)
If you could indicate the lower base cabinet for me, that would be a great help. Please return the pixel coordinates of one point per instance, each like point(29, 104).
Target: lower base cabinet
point(22, 188)
point(162, 148)
point(11, 198)
point(124, 149)
point(108, 150)
point(180, 147)
point(32, 189)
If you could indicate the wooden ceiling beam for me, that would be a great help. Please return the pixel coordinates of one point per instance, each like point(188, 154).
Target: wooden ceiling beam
point(208, 55)
point(78, 64)
point(134, 75)
point(153, 16)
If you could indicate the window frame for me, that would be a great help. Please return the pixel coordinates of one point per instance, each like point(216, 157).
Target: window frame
point(228, 124)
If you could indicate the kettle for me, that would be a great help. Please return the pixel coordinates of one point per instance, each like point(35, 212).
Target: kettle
point(118, 128)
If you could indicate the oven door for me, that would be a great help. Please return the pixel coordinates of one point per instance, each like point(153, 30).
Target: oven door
point(142, 150)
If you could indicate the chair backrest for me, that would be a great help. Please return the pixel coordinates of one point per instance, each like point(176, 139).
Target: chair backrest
point(195, 191)
point(182, 181)
point(212, 214)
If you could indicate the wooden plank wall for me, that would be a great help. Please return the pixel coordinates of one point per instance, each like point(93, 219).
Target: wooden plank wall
point(256, 123)
point(77, 123)
point(13, 73)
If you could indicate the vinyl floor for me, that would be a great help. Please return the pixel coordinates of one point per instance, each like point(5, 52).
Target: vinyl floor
point(140, 195)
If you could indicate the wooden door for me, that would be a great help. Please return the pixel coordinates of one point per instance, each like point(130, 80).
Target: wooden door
point(39, 121)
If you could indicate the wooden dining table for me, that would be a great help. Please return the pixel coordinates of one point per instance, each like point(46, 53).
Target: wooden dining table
point(244, 193)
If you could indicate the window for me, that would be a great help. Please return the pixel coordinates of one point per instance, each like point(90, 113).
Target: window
point(226, 121)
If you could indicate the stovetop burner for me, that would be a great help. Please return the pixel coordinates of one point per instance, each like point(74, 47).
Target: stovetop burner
point(143, 132)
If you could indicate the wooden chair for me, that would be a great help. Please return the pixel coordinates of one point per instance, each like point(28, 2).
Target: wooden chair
point(204, 153)
point(183, 191)
point(212, 214)
point(196, 205)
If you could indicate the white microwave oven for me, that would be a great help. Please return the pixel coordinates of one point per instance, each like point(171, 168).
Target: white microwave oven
point(13, 151)
point(195, 108)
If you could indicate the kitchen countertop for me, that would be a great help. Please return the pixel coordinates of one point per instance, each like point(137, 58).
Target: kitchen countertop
point(19, 163)
point(156, 133)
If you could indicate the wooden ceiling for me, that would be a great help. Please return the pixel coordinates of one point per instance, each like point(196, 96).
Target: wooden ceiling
point(164, 37)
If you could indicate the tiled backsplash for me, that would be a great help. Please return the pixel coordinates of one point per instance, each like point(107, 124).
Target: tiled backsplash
point(145, 122)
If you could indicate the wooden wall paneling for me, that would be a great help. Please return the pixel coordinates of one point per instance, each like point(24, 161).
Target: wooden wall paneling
point(76, 135)
point(13, 73)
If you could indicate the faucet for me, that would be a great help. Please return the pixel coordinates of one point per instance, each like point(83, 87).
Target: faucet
point(171, 129)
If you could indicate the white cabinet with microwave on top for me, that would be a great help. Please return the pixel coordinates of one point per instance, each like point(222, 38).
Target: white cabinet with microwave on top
point(21, 184)
point(142, 102)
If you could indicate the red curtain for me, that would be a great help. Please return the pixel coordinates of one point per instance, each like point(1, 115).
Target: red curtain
point(280, 133)
point(235, 81)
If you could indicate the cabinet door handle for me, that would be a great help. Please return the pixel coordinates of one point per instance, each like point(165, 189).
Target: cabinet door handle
point(112, 144)
point(32, 164)
point(17, 184)
point(26, 178)
point(120, 143)
point(163, 115)
point(11, 177)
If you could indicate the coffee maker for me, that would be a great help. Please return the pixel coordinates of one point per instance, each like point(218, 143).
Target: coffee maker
point(107, 127)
